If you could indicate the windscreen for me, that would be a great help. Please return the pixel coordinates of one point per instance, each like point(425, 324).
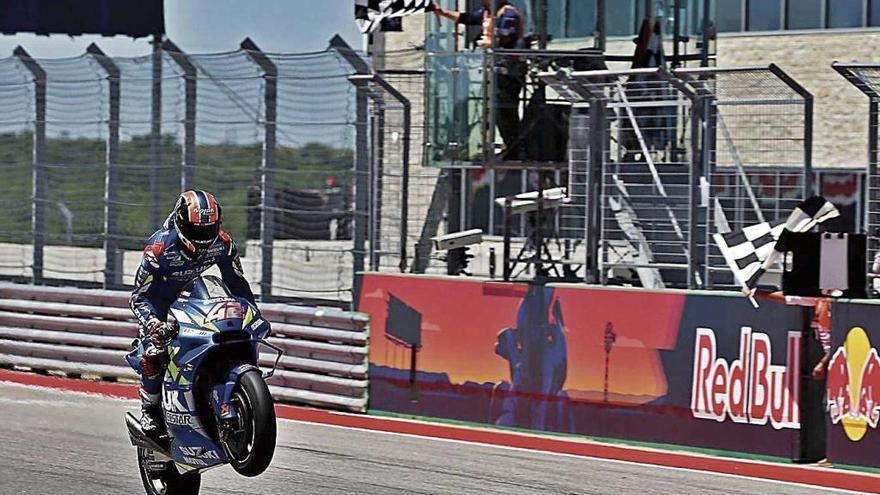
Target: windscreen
point(207, 287)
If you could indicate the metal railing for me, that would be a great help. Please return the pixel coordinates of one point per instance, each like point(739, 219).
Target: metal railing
point(659, 160)
point(84, 332)
point(758, 147)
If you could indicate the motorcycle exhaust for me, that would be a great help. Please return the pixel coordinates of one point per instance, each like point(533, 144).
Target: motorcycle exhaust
point(140, 439)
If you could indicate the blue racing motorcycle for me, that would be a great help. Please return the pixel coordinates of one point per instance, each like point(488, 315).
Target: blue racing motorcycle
point(217, 405)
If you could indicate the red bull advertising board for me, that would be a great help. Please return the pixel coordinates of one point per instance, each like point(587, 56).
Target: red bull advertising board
point(700, 369)
point(853, 385)
point(749, 389)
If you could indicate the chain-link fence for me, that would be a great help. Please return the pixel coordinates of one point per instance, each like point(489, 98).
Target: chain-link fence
point(758, 149)
point(95, 149)
point(660, 160)
point(319, 160)
point(866, 78)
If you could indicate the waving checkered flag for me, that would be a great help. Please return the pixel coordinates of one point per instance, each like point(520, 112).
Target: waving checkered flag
point(746, 250)
point(369, 14)
point(752, 251)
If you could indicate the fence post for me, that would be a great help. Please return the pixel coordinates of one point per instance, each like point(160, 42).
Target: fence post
point(595, 193)
point(377, 170)
point(696, 267)
point(190, 77)
point(872, 164)
point(362, 160)
point(156, 133)
point(112, 265)
point(40, 183)
point(267, 176)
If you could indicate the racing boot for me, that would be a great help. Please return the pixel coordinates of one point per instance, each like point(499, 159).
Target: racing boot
point(152, 420)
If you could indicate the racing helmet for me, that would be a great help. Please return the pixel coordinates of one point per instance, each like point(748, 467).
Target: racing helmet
point(197, 220)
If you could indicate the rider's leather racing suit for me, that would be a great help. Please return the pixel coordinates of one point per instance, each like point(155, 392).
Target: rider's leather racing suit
point(165, 269)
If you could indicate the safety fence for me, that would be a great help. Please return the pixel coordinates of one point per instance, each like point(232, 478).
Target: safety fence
point(95, 149)
point(322, 163)
point(83, 332)
point(660, 159)
point(866, 78)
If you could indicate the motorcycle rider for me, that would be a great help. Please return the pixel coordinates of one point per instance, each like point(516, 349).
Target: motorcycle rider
point(189, 242)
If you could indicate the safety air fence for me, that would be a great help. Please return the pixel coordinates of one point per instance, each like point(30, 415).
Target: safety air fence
point(699, 369)
point(87, 333)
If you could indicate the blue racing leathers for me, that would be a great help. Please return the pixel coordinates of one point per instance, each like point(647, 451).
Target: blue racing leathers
point(165, 269)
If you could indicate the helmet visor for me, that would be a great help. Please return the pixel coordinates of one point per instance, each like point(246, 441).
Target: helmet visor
point(201, 236)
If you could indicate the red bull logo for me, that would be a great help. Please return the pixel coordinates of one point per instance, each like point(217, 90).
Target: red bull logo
point(750, 389)
point(853, 385)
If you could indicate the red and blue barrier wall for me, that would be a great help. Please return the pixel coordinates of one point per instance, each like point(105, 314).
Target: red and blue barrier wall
point(699, 369)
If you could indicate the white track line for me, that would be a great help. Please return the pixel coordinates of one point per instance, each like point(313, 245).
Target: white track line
point(574, 456)
point(476, 444)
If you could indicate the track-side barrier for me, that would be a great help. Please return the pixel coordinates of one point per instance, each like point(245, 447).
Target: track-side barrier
point(87, 332)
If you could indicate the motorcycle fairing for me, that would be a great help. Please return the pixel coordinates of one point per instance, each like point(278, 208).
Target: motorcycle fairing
point(222, 393)
point(201, 321)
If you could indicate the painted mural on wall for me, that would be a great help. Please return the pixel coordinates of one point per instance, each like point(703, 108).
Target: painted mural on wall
point(620, 363)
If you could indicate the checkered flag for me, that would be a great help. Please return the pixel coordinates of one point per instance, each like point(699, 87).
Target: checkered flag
point(369, 14)
point(755, 249)
point(746, 250)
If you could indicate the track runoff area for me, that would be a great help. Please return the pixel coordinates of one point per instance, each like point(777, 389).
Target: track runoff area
point(67, 436)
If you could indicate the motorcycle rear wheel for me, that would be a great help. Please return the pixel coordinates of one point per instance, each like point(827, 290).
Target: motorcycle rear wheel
point(167, 482)
point(252, 446)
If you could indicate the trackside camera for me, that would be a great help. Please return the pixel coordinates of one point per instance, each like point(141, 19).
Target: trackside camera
point(456, 247)
point(457, 239)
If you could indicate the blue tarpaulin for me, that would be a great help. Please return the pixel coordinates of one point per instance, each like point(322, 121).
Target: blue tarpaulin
point(133, 18)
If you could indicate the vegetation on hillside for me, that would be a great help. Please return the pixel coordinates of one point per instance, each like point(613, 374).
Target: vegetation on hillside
point(76, 171)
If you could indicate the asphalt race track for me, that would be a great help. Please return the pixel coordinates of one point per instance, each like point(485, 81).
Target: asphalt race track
point(55, 442)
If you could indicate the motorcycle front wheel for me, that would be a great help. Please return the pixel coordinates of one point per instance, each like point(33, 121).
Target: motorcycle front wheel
point(167, 481)
point(251, 445)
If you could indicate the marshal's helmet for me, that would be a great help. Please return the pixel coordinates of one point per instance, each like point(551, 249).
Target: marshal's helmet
point(197, 220)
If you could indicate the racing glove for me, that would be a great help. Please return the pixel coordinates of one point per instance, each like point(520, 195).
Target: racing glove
point(160, 333)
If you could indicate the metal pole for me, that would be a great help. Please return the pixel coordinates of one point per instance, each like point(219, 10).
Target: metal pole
point(593, 221)
point(156, 134)
point(676, 37)
point(413, 374)
point(508, 220)
point(377, 130)
point(704, 52)
point(542, 24)
point(190, 76)
point(872, 168)
point(601, 25)
point(808, 146)
point(362, 161)
point(40, 181)
point(710, 142)
point(112, 259)
point(404, 210)
point(267, 176)
point(694, 258)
